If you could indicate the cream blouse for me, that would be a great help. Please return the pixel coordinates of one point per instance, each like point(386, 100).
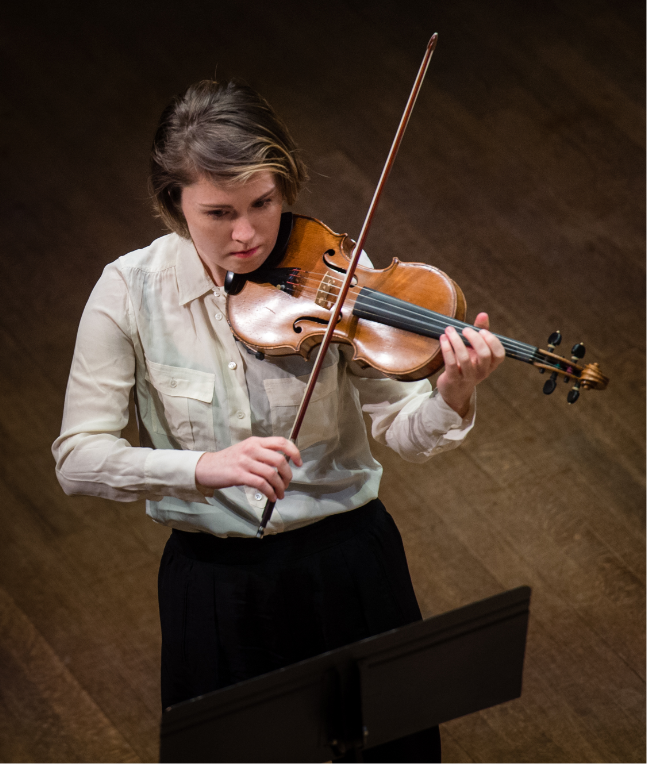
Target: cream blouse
point(156, 321)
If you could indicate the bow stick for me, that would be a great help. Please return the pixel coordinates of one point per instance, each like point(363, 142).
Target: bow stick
point(359, 246)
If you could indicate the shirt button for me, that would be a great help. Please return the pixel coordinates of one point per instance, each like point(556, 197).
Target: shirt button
point(232, 365)
point(173, 383)
point(240, 414)
point(216, 291)
point(258, 496)
point(218, 316)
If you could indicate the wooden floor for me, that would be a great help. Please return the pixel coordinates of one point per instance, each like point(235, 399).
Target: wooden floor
point(521, 175)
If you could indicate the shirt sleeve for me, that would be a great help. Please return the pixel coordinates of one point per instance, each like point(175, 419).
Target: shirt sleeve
point(410, 418)
point(91, 456)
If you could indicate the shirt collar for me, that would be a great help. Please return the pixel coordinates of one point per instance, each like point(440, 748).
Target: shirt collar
point(192, 278)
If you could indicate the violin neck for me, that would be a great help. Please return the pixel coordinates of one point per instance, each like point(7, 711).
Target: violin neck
point(384, 309)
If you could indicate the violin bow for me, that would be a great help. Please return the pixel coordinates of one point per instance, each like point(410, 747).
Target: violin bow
point(359, 246)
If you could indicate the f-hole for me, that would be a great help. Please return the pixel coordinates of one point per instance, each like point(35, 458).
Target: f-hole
point(317, 320)
point(324, 322)
point(330, 253)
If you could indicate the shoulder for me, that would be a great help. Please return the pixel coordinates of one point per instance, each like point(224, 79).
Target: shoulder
point(130, 273)
point(159, 255)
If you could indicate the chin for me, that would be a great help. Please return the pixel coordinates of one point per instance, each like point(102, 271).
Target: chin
point(247, 266)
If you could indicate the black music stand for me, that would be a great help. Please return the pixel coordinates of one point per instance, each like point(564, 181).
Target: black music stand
point(361, 695)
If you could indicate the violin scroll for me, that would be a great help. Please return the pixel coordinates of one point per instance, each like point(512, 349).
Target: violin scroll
point(587, 377)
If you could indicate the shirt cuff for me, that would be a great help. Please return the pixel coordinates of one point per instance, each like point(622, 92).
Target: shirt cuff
point(444, 427)
point(451, 417)
point(170, 472)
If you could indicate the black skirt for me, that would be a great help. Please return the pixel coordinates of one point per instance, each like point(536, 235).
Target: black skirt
point(234, 608)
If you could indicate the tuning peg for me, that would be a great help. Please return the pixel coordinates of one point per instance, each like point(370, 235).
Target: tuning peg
point(573, 394)
point(577, 352)
point(550, 384)
point(554, 340)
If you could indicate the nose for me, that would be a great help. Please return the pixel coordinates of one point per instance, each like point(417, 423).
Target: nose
point(242, 230)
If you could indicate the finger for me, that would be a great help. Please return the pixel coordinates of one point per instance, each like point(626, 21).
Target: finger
point(266, 475)
point(274, 478)
point(285, 446)
point(494, 343)
point(276, 461)
point(449, 357)
point(481, 357)
point(257, 482)
point(482, 321)
point(255, 474)
point(487, 353)
point(458, 346)
point(261, 465)
point(285, 473)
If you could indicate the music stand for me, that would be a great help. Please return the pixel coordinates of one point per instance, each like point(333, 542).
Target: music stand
point(361, 695)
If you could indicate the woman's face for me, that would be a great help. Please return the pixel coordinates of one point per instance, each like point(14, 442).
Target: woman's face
point(233, 227)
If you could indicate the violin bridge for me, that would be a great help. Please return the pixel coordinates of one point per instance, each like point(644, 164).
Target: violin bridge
point(327, 292)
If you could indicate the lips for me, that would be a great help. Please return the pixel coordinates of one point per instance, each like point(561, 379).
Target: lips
point(246, 252)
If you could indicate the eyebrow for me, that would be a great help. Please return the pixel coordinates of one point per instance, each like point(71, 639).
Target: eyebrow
point(229, 206)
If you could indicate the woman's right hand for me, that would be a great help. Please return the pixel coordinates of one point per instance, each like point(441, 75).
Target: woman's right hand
point(256, 462)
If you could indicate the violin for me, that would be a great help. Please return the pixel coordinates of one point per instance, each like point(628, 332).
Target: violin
point(392, 317)
point(311, 291)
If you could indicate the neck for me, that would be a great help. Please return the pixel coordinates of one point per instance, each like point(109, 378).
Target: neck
point(215, 272)
point(376, 306)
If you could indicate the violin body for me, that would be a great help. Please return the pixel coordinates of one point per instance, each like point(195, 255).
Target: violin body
point(291, 315)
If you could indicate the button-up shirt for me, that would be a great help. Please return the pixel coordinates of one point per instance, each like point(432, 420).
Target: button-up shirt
point(155, 321)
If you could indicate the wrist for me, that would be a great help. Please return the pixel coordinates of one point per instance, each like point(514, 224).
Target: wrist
point(201, 474)
point(458, 403)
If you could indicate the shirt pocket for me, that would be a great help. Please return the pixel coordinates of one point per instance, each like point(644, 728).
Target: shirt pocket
point(321, 419)
point(186, 397)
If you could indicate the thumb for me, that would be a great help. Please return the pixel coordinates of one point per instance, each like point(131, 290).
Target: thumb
point(482, 321)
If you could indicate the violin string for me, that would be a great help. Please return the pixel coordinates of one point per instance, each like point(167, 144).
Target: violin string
point(439, 328)
point(409, 311)
point(423, 313)
point(436, 322)
point(515, 349)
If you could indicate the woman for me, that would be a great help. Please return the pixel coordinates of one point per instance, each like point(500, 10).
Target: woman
point(214, 421)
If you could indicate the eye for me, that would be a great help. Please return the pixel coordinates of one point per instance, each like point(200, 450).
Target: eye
point(217, 213)
point(263, 202)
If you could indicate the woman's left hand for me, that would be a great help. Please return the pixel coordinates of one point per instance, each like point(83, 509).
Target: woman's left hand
point(466, 366)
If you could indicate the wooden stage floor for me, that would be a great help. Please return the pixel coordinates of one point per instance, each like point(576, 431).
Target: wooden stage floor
point(521, 176)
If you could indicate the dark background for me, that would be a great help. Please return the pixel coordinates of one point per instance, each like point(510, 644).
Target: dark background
point(521, 176)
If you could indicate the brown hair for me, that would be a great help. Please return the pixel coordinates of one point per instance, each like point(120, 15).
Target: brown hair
point(226, 132)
